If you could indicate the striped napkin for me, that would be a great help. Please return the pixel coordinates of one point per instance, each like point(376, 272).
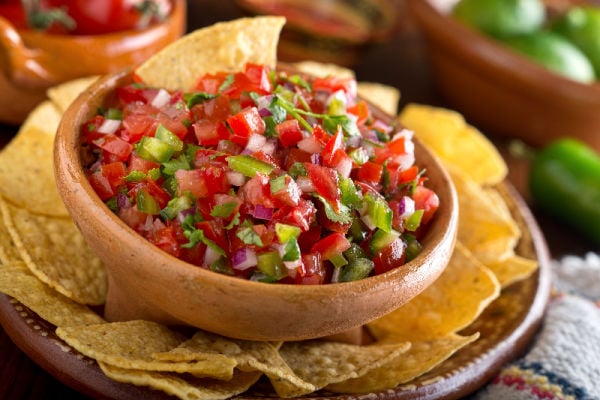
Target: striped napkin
point(564, 359)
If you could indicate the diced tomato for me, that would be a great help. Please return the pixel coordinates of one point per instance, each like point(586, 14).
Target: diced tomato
point(296, 155)
point(134, 93)
point(165, 238)
point(247, 122)
point(258, 79)
point(326, 183)
point(132, 216)
point(289, 132)
point(334, 83)
point(115, 146)
point(214, 230)
point(391, 256)
point(210, 83)
point(321, 135)
point(215, 109)
point(370, 172)
point(138, 125)
point(175, 119)
point(312, 271)
point(397, 146)
point(137, 163)
point(331, 245)
point(159, 194)
point(361, 110)
point(335, 144)
point(426, 200)
point(209, 133)
point(101, 185)
point(397, 221)
point(289, 195)
point(90, 128)
point(114, 172)
point(205, 182)
point(257, 190)
point(302, 216)
point(309, 237)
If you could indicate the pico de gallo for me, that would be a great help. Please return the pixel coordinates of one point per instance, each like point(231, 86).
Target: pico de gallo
point(266, 175)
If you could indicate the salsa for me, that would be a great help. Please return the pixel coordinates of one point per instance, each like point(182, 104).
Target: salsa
point(266, 175)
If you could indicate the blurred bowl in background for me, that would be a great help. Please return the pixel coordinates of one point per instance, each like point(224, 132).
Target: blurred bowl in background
point(32, 61)
point(500, 91)
point(328, 30)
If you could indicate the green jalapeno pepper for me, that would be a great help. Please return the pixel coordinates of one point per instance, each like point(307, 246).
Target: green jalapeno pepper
point(565, 182)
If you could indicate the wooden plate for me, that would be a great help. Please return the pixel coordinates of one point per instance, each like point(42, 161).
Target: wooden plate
point(507, 327)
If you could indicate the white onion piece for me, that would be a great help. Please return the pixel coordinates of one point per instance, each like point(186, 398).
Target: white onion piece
point(344, 167)
point(235, 178)
point(305, 184)
point(161, 99)
point(210, 256)
point(310, 145)
point(255, 143)
point(109, 126)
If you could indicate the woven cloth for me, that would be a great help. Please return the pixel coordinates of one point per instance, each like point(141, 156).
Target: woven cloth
point(564, 359)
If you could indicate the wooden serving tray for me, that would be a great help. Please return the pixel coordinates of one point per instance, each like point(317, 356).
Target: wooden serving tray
point(507, 327)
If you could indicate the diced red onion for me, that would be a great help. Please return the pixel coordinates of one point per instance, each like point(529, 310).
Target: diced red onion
point(316, 158)
point(262, 212)
point(243, 259)
point(354, 141)
point(235, 178)
point(161, 99)
point(305, 184)
point(182, 215)
point(123, 201)
point(406, 207)
point(255, 143)
point(109, 126)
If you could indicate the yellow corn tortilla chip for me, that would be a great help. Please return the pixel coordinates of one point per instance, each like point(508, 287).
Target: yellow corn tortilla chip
point(383, 96)
point(18, 282)
point(56, 253)
point(27, 172)
point(185, 387)
point(455, 142)
point(448, 305)
point(323, 363)
point(131, 344)
point(225, 46)
point(8, 249)
point(513, 269)
point(45, 117)
point(323, 70)
point(422, 357)
point(63, 95)
point(489, 234)
point(249, 356)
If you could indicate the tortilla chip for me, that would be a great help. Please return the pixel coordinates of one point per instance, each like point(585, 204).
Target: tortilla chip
point(513, 269)
point(489, 233)
point(249, 356)
point(323, 70)
point(56, 253)
point(448, 305)
point(8, 249)
point(27, 172)
point(225, 46)
point(63, 94)
point(383, 96)
point(455, 142)
point(45, 117)
point(422, 357)
point(131, 345)
point(184, 387)
point(18, 282)
point(324, 363)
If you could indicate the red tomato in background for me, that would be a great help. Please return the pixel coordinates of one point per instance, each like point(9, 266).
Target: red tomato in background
point(90, 17)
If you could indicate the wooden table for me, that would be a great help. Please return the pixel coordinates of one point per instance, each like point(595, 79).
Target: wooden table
point(400, 62)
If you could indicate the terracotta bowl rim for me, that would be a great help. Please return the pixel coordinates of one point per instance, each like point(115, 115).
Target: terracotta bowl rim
point(497, 60)
point(66, 147)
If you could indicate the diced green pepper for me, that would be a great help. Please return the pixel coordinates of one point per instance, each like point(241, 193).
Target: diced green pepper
point(248, 165)
point(153, 149)
point(146, 203)
point(286, 232)
point(271, 264)
point(166, 136)
point(356, 269)
point(291, 250)
point(379, 212)
point(414, 221)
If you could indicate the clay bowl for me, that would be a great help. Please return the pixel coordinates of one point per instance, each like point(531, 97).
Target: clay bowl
point(147, 283)
point(500, 91)
point(31, 61)
point(335, 31)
